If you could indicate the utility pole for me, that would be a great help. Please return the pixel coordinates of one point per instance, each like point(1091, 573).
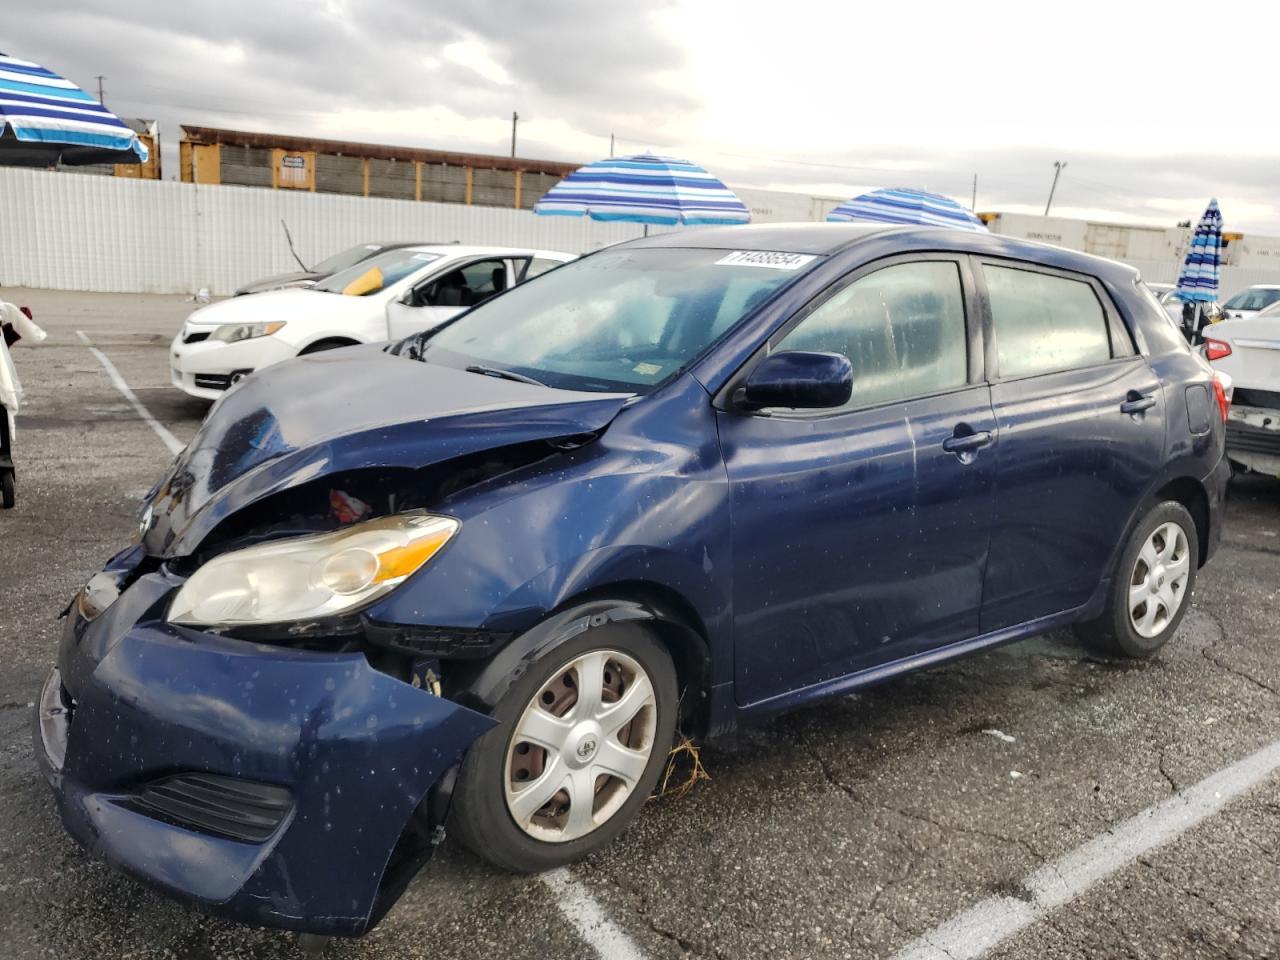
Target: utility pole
point(974, 204)
point(100, 79)
point(611, 144)
point(1058, 167)
point(515, 118)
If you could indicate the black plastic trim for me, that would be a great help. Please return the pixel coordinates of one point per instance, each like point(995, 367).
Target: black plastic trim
point(243, 810)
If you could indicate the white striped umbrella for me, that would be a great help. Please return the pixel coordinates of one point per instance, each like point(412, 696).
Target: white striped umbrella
point(907, 206)
point(46, 120)
point(1199, 277)
point(644, 189)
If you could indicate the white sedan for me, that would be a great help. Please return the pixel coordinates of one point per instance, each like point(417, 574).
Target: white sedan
point(389, 296)
point(1248, 350)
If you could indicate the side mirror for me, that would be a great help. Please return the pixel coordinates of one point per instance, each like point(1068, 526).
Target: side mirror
point(798, 379)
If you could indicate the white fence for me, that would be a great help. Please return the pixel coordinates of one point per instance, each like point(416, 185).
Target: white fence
point(1231, 279)
point(67, 231)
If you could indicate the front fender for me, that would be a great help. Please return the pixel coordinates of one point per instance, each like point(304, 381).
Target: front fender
point(509, 665)
point(513, 565)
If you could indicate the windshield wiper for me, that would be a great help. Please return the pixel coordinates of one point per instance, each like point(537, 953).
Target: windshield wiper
point(504, 374)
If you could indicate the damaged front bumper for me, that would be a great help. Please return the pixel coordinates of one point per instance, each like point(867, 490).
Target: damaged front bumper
point(270, 785)
point(1253, 438)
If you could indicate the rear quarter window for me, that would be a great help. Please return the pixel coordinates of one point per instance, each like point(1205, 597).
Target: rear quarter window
point(1159, 329)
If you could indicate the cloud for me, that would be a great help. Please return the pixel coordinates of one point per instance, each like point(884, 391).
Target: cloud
point(817, 100)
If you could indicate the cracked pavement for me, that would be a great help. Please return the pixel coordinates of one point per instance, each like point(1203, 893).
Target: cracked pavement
point(843, 830)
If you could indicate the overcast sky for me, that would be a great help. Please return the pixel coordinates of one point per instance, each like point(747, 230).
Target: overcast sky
point(1154, 109)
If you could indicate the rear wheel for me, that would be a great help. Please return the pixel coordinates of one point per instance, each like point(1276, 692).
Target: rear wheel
point(581, 741)
point(1153, 582)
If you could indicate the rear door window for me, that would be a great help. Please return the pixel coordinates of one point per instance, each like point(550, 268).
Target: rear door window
point(1044, 322)
point(902, 329)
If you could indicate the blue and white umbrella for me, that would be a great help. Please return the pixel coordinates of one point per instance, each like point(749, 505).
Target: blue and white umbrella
point(46, 120)
point(1199, 277)
point(904, 205)
point(644, 189)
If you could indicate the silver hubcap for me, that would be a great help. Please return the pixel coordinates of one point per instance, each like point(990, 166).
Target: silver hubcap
point(581, 746)
point(1159, 582)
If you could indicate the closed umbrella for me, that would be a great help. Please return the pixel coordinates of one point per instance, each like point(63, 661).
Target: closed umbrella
point(1198, 281)
point(907, 206)
point(644, 189)
point(46, 120)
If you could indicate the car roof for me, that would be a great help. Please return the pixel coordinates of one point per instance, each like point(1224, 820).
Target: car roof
point(825, 239)
point(820, 238)
point(465, 250)
point(1263, 286)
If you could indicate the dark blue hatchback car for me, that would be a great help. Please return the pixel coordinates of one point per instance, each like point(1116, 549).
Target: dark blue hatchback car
point(482, 578)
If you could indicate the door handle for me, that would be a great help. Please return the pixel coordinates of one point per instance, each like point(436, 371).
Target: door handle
point(1136, 403)
point(967, 443)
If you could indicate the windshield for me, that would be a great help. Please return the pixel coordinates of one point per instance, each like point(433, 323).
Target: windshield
point(347, 258)
point(1253, 299)
point(622, 320)
point(376, 273)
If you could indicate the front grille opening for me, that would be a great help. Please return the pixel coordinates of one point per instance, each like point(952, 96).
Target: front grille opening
point(229, 807)
point(213, 381)
point(196, 337)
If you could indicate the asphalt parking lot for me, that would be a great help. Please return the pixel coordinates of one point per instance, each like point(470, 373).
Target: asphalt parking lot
point(865, 827)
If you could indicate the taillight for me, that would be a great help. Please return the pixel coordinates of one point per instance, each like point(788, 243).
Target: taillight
point(1220, 391)
point(1216, 349)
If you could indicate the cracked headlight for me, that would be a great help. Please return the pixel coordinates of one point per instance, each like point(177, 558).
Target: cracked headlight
point(235, 332)
point(303, 578)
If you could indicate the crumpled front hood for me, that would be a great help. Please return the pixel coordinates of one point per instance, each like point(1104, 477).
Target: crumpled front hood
point(279, 280)
point(357, 408)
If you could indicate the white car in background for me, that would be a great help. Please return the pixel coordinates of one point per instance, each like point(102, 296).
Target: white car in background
point(389, 296)
point(1248, 350)
point(1251, 300)
point(1168, 296)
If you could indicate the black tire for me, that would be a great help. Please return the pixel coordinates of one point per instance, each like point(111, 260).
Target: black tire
point(6, 489)
point(1113, 633)
point(320, 345)
point(479, 815)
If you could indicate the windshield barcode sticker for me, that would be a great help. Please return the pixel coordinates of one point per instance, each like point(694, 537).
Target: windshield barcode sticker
point(773, 259)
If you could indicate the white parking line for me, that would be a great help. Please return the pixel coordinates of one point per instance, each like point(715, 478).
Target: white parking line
point(970, 934)
point(584, 912)
point(165, 436)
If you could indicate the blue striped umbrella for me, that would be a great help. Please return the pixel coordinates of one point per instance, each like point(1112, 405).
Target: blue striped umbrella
point(46, 120)
point(904, 205)
point(1199, 277)
point(643, 189)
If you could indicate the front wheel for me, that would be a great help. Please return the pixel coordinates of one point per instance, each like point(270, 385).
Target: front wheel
point(6, 489)
point(581, 741)
point(1154, 579)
